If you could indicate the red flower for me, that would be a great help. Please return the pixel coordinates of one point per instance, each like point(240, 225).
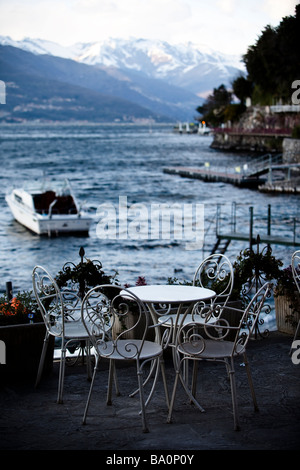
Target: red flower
point(12, 308)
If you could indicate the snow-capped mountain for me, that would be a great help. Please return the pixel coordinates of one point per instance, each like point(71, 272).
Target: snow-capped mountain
point(38, 46)
point(196, 68)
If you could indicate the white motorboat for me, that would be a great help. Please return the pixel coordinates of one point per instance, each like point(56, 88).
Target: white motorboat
point(48, 209)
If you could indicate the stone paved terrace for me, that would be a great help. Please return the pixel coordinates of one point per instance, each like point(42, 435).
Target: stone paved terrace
point(32, 420)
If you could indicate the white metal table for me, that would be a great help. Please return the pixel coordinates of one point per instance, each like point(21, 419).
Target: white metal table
point(183, 298)
point(170, 295)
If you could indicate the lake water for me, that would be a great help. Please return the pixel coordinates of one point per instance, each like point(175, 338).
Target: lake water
point(107, 162)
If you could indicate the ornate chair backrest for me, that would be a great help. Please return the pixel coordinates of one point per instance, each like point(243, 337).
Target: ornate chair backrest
point(296, 268)
point(247, 323)
point(216, 273)
point(49, 299)
point(220, 329)
point(114, 319)
point(251, 314)
point(56, 305)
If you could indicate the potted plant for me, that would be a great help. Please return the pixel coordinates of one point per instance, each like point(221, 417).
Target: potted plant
point(83, 276)
point(80, 278)
point(287, 302)
point(251, 270)
point(22, 333)
point(21, 309)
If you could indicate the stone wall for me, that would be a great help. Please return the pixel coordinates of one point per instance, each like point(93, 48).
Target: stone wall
point(291, 150)
point(246, 142)
point(260, 129)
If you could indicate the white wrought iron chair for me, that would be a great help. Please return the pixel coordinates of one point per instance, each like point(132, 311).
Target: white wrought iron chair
point(215, 271)
point(61, 314)
point(117, 323)
point(296, 276)
point(190, 345)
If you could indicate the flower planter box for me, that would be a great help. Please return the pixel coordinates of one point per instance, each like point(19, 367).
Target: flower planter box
point(283, 311)
point(23, 345)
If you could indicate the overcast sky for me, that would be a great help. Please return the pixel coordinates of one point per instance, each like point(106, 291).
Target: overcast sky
point(228, 26)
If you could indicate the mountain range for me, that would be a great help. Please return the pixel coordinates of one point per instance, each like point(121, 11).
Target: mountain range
point(113, 80)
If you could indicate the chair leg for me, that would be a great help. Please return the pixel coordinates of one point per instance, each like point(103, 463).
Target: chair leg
point(246, 362)
point(42, 359)
point(234, 397)
point(186, 388)
point(142, 397)
point(169, 418)
point(111, 375)
point(116, 383)
point(153, 366)
point(163, 373)
point(194, 378)
point(88, 359)
point(61, 374)
point(90, 391)
point(295, 336)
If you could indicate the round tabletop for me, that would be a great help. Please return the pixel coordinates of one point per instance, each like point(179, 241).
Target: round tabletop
point(171, 293)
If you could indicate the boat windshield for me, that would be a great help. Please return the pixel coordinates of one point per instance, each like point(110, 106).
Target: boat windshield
point(49, 201)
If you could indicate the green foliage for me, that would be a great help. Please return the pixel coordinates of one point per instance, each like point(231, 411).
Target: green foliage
point(272, 64)
point(214, 107)
point(273, 61)
point(250, 264)
point(261, 265)
point(242, 88)
point(85, 274)
point(233, 112)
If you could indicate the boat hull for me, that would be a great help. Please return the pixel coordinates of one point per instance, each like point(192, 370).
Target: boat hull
point(48, 225)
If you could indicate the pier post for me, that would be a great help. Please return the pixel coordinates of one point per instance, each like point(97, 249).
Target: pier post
point(218, 219)
point(233, 217)
point(270, 170)
point(9, 290)
point(269, 223)
point(251, 227)
point(269, 219)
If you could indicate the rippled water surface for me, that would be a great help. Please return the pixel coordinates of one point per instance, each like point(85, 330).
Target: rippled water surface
point(105, 162)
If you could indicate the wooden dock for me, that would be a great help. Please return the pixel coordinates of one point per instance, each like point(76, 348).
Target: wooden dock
point(208, 175)
point(224, 238)
point(256, 174)
point(267, 239)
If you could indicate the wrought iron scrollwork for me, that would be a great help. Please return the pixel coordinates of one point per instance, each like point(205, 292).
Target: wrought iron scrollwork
point(260, 270)
point(75, 280)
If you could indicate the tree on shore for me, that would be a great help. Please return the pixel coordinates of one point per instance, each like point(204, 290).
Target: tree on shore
point(215, 105)
point(272, 64)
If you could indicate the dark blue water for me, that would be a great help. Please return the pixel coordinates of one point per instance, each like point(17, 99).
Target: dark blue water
point(104, 162)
